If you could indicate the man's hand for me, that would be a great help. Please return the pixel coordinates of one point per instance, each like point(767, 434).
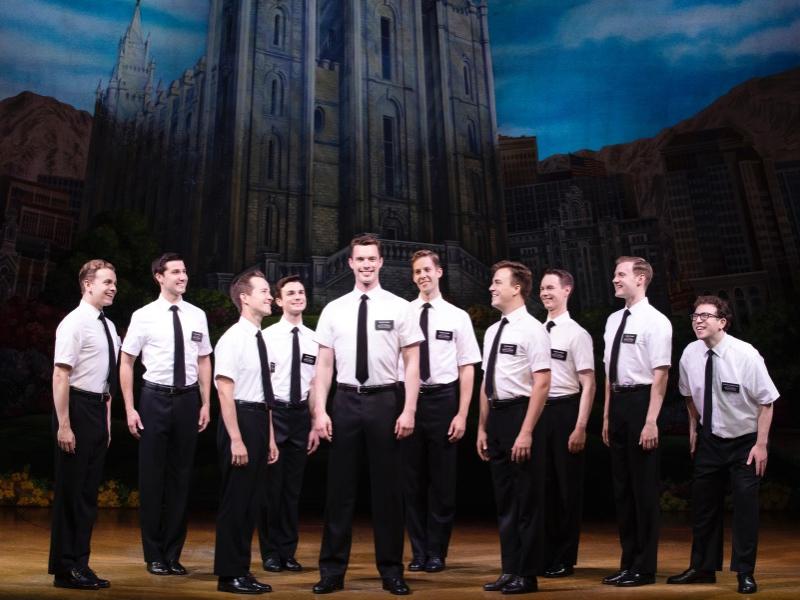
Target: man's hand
point(758, 454)
point(692, 439)
point(648, 439)
point(404, 426)
point(313, 441)
point(205, 417)
point(274, 453)
point(482, 445)
point(238, 453)
point(577, 440)
point(66, 440)
point(134, 423)
point(521, 450)
point(323, 426)
point(457, 428)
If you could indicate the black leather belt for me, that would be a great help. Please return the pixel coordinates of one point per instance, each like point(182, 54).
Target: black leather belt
point(435, 387)
point(170, 390)
point(506, 402)
point(259, 406)
point(280, 405)
point(627, 389)
point(559, 399)
point(94, 396)
point(366, 389)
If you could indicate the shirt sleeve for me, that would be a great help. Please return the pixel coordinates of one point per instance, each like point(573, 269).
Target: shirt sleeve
point(68, 344)
point(409, 331)
point(468, 351)
point(204, 348)
point(760, 385)
point(135, 337)
point(538, 348)
point(488, 337)
point(324, 335)
point(583, 351)
point(659, 347)
point(226, 359)
point(684, 385)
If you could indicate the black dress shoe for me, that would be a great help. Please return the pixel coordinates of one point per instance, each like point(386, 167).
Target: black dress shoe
point(615, 577)
point(101, 583)
point(691, 575)
point(434, 564)
point(521, 585)
point(76, 580)
point(264, 587)
point(497, 585)
point(559, 570)
point(238, 585)
point(635, 579)
point(273, 564)
point(417, 564)
point(175, 568)
point(157, 567)
point(396, 586)
point(290, 564)
point(747, 583)
point(328, 584)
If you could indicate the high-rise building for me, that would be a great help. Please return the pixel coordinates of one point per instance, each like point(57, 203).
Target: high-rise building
point(519, 160)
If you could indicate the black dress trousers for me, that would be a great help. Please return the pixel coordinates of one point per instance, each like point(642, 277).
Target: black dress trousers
point(563, 482)
point(430, 464)
point(166, 457)
point(637, 481)
point(242, 488)
point(518, 491)
point(716, 461)
point(77, 479)
point(364, 424)
point(278, 517)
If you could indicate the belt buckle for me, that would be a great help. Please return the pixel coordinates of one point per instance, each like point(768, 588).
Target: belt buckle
point(358, 389)
point(106, 397)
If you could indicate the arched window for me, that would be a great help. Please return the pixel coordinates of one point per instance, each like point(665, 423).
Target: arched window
point(273, 159)
point(276, 94)
point(467, 80)
point(386, 48)
point(472, 138)
point(319, 119)
point(277, 29)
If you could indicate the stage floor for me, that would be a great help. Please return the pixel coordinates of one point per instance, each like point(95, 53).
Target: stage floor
point(474, 559)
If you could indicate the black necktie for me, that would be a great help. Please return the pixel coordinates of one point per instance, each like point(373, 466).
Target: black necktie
point(294, 388)
point(424, 352)
point(266, 378)
point(113, 375)
point(550, 325)
point(612, 364)
point(362, 366)
point(489, 385)
point(179, 360)
point(708, 392)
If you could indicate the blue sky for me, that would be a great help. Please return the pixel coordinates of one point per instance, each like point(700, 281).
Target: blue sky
point(575, 73)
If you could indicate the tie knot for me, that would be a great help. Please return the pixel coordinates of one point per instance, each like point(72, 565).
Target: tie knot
point(101, 316)
point(258, 334)
point(174, 308)
point(550, 325)
point(364, 297)
point(627, 313)
point(503, 321)
point(426, 305)
point(710, 353)
point(295, 330)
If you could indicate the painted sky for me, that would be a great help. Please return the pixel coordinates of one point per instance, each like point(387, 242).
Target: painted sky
point(575, 73)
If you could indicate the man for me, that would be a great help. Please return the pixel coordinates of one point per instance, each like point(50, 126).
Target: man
point(365, 332)
point(244, 441)
point(293, 356)
point(637, 356)
point(172, 337)
point(84, 379)
point(516, 365)
point(565, 416)
point(447, 356)
point(730, 393)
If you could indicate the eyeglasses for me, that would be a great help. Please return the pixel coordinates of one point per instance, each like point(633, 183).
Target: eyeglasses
point(702, 317)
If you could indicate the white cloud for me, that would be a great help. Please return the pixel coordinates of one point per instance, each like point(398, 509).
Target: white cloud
point(186, 10)
point(31, 53)
point(768, 41)
point(80, 25)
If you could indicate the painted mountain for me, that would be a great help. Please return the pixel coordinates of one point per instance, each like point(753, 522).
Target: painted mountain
point(765, 108)
point(42, 136)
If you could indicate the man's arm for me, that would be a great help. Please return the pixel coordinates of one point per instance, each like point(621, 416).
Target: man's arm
point(404, 426)
point(540, 387)
point(313, 437)
point(466, 379)
point(481, 442)
point(321, 422)
point(577, 439)
point(126, 386)
point(204, 379)
point(606, 406)
point(65, 437)
point(758, 453)
point(648, 439)
point(227, 409)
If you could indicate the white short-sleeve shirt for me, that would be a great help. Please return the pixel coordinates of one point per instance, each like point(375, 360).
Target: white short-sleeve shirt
point(390, 326)
point(646, 343)
point(741, 385)
point(151, 333)
point(571, 351)
point(236, 358)
point(524, 348)
point(279, 339)
point(451, 340)
point(81, 344)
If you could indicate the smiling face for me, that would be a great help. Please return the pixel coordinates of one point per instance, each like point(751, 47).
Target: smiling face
point(426, 275)
point(101, 290)
point(505, 294)
point(553, 294)
point(627, 284)
point(259, 300)
point(292, 298)
point(366, 263)
point(174, 279)
point(712, 328)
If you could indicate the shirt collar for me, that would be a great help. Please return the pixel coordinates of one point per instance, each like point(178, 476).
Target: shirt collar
point(640, 306)
point(517, 314)
point(562, 318)
point(248, 326)
point(436, 302)
point(88, 308)
point(284, 322)
point(165, 304)
point(722, 346)
point(373, 293)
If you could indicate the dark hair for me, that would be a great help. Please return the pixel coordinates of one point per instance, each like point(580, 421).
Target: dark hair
point(520, 275)
point(284, 280)
point(241, 285)
point(159, 265)
point(640, 267)
point(565, 277)
point(366, 239)
point(423, 253)
point(89, 269)
point(722, 306)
